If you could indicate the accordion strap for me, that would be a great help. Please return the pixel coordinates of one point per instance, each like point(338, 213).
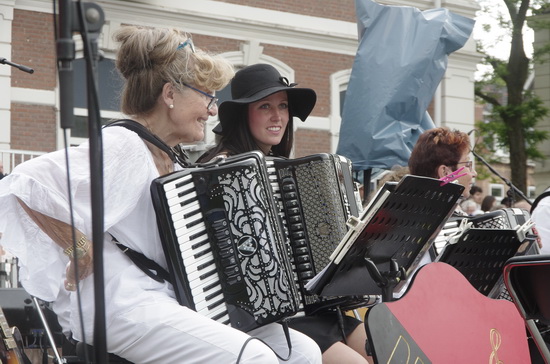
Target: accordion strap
point(148, 266)
point(176, 154)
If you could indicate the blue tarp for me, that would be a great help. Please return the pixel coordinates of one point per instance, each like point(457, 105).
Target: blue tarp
point(401, 58)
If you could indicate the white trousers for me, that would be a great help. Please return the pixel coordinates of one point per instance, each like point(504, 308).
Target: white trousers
point(165, 332)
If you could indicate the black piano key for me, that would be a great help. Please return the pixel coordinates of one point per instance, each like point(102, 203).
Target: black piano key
point(208, 274)
point(188, 201)
point(197, 235)
point(219, 316)
point(187, 191)
point(204, 252)
point(210, 286)
point(195, 222)
point(205, 265)
point(191, 214)
point(215, 304)
point(199, 244)
point(213, 295)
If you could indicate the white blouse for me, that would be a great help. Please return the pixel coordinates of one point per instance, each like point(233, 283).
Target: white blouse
point(128, 170)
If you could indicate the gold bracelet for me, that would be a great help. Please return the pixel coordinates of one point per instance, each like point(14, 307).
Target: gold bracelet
point(81, 248)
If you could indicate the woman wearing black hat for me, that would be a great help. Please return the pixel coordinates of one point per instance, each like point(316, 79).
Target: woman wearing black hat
point(256, 92)
point(260, 118)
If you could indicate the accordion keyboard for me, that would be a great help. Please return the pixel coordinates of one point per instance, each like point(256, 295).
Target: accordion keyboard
point(196, 252)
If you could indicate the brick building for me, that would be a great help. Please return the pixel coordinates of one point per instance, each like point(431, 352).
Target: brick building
point(311, 42)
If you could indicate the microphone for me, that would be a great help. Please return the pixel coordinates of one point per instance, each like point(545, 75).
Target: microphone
point(65, 57)
point(471, 131)
point(18, 66)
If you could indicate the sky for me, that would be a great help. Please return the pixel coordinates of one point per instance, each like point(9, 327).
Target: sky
point(496, 42)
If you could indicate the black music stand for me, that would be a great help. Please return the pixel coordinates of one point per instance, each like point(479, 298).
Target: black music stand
point(527, 279)
point(391, 236)
point(480, 255)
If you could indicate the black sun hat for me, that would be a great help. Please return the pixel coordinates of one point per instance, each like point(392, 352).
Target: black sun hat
point(255, 82)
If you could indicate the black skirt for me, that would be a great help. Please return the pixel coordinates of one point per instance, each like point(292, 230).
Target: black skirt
point(324, 328)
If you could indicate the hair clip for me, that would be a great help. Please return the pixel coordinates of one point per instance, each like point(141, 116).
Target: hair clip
point(188, 42)
point(452, 176)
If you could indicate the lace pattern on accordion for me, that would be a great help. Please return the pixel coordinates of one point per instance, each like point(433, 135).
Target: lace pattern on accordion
point(322, 209)
point(245, 201)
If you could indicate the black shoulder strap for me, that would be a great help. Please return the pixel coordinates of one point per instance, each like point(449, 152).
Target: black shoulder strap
point(148, 266)
point(176, 155)
point(546, 193)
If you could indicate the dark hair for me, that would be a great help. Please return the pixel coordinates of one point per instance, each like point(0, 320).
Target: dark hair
point(475, 189)
point(506, 201)
point(436, 147)
point(239, 139)
point(487, 203)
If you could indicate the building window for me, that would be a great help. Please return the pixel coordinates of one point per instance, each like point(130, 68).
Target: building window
point(496, 190)
point(531, 192)
point(338, 86)
point(109, 89)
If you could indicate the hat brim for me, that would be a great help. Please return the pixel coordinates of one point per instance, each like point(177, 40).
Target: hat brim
point(301, 101)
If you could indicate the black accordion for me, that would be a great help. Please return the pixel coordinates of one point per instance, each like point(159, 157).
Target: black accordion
point(224, 242)
point(317, 196)
point(506, 218)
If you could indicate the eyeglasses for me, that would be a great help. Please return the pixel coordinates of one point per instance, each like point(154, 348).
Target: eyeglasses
point(188, 42)
point(467, 164)
point(213, 99)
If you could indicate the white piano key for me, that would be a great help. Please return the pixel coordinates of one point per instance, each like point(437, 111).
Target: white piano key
point(192, 265)
point(213, 312)
point(170, 187)
point(194, 275)
point(213, 280)
point(178, 208)
point(203, 302)
point(190, 253)
point(182, 231)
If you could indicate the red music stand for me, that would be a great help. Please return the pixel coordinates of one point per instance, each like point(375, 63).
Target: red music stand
point(442, 318)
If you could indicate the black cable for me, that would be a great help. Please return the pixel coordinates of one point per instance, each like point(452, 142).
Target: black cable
point(340, 318)
point(96, 165)
point(70, 201)
point(288, 341)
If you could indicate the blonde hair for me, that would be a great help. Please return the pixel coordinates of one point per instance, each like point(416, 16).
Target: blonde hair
point(148, 58)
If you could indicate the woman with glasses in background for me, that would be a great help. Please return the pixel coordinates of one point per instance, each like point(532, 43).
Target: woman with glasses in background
point(437, 153)
point(169, 91)
point(440, 151)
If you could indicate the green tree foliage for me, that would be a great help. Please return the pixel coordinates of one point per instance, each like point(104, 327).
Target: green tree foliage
point(515, 112)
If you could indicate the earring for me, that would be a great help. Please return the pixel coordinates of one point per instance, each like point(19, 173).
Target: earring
point(171, 106)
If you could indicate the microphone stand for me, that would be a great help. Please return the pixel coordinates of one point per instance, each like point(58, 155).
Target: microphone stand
point(18, 66)
point(88, 19)
point(513, 188)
